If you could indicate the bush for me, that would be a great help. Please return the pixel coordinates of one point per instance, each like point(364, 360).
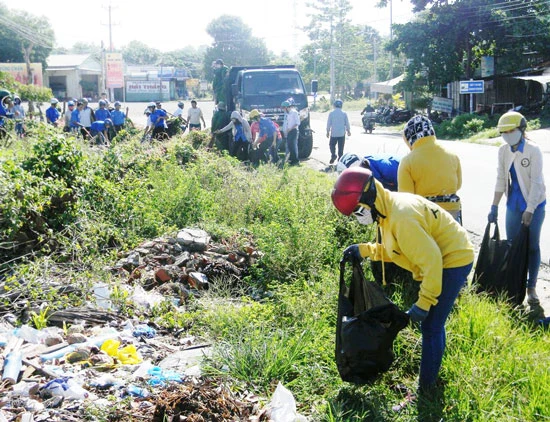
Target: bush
point(464, 126)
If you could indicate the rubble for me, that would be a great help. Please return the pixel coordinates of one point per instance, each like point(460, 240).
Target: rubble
point(90, 355)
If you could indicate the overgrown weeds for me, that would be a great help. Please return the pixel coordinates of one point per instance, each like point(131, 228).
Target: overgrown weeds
point(496, 365)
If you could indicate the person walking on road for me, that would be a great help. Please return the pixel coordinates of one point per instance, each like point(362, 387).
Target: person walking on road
point(430, 170)
point(337, 127)
point(419, 236)
point(520, 177)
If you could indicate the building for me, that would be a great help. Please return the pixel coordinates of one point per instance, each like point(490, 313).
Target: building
point(74, 76)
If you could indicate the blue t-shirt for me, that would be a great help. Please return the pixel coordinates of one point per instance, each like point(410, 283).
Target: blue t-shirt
point(75, 118)
point(98, 126)
point(102, 114)
point(384, 169)
point(52, 114)
point(267, 128)
point(155, 117)
point(239, 133)
point(118, 117)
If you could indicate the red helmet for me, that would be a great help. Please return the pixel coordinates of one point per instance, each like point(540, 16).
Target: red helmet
point(349, 187)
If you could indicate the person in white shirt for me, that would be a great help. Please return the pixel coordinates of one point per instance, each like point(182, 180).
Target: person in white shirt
point(86, 116)
point(194, 117)
point(291, 127)
point(179, 114)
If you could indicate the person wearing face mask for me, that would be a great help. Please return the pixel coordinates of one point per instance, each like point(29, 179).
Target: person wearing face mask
point(419, 236)
point(520, 177)
point(429, 169)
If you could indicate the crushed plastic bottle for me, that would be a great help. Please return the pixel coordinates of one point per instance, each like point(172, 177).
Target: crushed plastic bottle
point(136, 391)
point(65, 387)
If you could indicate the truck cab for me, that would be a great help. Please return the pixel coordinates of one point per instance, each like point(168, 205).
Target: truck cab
point(265, 88)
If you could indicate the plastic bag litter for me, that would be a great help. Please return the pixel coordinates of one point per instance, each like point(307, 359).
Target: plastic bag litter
point(127, 355)
point(283, 406)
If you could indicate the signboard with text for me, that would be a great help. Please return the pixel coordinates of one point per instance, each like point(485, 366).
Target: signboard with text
point(19, 72)
point(472, 87)
point(147, 87)
point(444, 105)
point(115, 70)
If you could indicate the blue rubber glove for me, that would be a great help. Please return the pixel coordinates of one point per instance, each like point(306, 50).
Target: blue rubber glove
point(493, 215)
point(351, 253)
point(416, 314)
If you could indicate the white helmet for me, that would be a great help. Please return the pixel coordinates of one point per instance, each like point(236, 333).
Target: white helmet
point(346, 161)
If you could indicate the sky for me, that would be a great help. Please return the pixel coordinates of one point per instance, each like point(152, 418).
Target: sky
point(171, 25)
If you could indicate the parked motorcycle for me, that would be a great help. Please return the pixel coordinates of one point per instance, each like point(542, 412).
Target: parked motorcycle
point(369, 121)
point(398, 116)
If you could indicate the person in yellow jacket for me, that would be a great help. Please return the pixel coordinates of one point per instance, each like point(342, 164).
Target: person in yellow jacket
point(421, 237)
point(430, 170)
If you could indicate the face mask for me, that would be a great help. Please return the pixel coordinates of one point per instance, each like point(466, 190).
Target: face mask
point(512, 138)
point(364, 216)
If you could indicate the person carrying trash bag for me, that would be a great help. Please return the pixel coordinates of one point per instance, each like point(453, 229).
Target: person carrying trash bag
point(520, 177)
point(420, 236)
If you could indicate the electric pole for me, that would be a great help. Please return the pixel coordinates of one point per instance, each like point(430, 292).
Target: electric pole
point(391, 39)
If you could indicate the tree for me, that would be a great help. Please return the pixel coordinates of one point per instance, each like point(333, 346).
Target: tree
point(234, 44)
point(350, 49)
point(137, 52)
point(26, 38)
point(447, 40)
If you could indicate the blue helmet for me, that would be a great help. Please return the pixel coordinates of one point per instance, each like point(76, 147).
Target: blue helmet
point(108, 122)
point(338, 103)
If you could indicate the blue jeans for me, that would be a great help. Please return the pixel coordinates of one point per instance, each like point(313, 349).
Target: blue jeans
point(513, 224)
point(433, 327)
point(292, 146)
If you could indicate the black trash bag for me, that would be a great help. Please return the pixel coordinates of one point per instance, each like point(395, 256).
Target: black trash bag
point(367, 325)
point(501, 267)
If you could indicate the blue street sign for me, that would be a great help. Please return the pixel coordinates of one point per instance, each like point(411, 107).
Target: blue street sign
point(472, 87)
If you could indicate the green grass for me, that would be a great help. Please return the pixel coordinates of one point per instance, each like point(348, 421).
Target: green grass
point(496, 367)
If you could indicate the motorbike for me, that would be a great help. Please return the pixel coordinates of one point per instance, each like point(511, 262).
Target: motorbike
point(369, 121)
point(398, 116)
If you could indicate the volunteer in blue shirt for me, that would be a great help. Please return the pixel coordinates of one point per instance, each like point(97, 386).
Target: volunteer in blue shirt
point(75, 117)
point(158, 118)
point(520, 177)
point(383, 167)
point(100, 127)
point(265, 137)
point(118, 117)
point(52, 113)
point(102, 112)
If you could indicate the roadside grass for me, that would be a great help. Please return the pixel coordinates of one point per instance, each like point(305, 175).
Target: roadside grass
point(279, 324)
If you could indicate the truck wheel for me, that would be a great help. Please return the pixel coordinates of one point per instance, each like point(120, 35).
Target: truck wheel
point(305, 146)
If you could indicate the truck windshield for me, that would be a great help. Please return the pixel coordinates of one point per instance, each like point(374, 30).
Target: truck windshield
point(261, 83)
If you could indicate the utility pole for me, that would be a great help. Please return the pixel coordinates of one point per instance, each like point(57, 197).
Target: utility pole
point(331, 59)
point(110, 49)
point(391, 39)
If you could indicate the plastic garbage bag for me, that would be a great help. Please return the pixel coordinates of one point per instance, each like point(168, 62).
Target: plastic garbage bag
point(283, 406)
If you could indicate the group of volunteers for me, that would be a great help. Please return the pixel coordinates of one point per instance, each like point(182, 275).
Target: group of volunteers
point(100, 124)
point(258, 140)
point(413, 199)
point(12, 108)
point(157, 119)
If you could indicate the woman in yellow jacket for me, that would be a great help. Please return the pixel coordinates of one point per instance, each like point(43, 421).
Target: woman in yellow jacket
point(421, 237)
point(430, 170)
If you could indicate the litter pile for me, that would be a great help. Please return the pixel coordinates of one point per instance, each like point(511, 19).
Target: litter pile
point(90, 364)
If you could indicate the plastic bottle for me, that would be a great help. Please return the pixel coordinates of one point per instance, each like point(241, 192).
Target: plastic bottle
point(102, 295)
point(12, 367)
point(66, 387)
point(136, 391)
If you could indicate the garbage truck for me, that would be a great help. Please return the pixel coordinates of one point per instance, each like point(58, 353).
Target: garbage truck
point(265, 88)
